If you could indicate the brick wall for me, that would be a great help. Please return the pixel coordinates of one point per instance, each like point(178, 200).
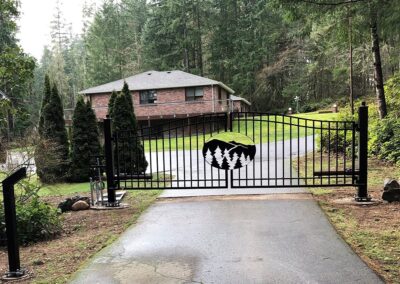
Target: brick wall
point(170, 102)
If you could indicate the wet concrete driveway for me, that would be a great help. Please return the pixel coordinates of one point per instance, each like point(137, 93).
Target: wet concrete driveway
point(240, 239)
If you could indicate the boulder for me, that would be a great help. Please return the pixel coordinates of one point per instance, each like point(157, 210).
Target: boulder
point(391, 190)
point(80, 205)
point(66, 205)
point(390, 183)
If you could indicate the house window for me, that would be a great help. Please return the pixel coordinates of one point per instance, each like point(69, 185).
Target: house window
point(148, 97)
point(194, 94)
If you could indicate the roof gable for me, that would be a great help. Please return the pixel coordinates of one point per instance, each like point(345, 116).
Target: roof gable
point(156, 80)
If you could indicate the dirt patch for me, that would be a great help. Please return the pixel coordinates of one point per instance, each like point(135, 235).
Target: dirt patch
point(84, 234)
point(373, 231)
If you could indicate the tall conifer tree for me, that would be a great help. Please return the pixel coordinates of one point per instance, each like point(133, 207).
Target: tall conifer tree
point(85, 141)
point(45, 101)
point(125, 91)
point(51, 155)
point(111, 104)
point(130, 153)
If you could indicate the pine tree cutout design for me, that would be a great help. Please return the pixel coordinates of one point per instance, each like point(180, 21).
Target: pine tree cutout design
point(248, 160)
point(209, 156)
point(242, 160)
point(218, 156)
point(233, 161)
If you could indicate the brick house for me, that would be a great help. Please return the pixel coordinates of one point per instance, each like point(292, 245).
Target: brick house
point(159, 97)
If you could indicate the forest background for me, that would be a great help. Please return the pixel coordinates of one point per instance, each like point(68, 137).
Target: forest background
point(268, 51)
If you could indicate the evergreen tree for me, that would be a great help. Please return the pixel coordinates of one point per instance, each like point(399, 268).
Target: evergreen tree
point(111, 104)
point(85, 141)
point(51, 155)
point(130, 149)
point(45, 101)
point(125, 91)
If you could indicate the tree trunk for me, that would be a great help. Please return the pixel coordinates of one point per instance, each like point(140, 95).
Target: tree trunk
point(378, 76)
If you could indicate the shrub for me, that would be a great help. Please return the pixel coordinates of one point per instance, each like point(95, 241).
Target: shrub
point(36, 220)
point(336, 141)
point(385, 140)
point(385, 133)
point(50, 161)
point(314, 106)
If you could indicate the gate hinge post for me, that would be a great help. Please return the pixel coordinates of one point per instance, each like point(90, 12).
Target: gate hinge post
point(109, 157)
point(362, 183)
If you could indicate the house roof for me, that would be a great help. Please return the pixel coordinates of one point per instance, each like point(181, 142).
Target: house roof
point(156, 80)
point(236, 98)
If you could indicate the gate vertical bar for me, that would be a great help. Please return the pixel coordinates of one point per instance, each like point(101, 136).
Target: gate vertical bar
point(108, 149)
point(362, 193)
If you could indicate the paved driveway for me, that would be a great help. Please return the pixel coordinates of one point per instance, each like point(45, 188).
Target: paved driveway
point(230, 240)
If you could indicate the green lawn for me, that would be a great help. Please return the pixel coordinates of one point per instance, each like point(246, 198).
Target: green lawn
point(263, 129)
point(64, 189)
point(319, 116)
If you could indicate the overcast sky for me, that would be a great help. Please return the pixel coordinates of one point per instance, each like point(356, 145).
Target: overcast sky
point(35, 18)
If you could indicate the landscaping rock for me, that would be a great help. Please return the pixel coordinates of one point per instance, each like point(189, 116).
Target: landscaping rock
point(66, 205)
point(80, 205)
point(391, 190)
point(390, 183)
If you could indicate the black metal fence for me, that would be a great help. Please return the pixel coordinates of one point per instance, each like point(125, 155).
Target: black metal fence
point(291, 151)
point(174, 160)
point(296, 152)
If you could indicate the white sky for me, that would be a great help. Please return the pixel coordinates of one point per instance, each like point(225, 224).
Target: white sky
point(35, 18)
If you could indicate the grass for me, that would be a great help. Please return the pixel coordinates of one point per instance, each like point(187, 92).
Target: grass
point(268, 128)
point(64, 189)
point(319, 116)
point(233, 136)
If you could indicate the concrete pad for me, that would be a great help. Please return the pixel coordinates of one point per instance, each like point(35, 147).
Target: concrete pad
point(229, 241)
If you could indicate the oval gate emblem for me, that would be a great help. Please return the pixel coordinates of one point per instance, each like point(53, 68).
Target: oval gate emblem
point(229, 150)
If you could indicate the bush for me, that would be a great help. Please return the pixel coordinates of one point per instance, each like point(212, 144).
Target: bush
point(385, 140)
point(314, 106)
point(50, 161)
point(335, 141)
point(385, 133)
point(36, 220)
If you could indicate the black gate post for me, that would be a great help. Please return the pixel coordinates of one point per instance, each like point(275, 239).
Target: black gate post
point(108, 152)
point(362, 193)
point(10, 215)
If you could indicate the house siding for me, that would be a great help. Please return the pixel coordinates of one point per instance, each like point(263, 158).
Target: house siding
point(170, 102)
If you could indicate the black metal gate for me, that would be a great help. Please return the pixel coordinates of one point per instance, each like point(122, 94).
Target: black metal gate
point(291, 151)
